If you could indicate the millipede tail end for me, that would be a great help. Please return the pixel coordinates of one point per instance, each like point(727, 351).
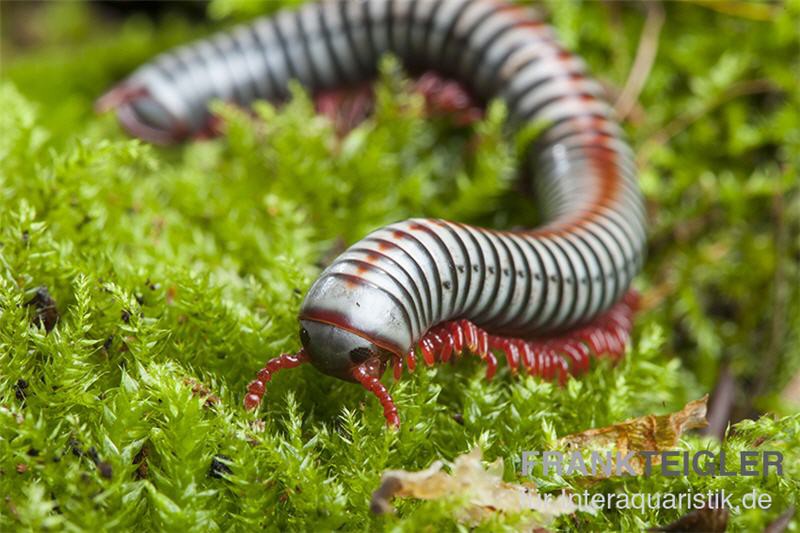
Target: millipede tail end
point(124, 98)
point(118, 96)
point(257, 387)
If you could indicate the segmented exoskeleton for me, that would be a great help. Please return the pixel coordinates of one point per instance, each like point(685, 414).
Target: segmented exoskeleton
point(545, 298)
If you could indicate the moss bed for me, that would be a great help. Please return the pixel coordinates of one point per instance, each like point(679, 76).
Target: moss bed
point(171, 274)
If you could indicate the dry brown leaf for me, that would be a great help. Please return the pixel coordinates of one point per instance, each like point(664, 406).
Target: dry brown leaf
point(201, 391)
point(483, 491)
point(646, 433)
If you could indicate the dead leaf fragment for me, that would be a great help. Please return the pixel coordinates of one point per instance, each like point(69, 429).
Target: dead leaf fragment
point(141, 461)
point(380, 503)
point(482, 491)
point(646, 433)
point(201, 391)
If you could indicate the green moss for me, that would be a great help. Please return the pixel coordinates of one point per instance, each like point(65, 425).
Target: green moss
point(180, 269)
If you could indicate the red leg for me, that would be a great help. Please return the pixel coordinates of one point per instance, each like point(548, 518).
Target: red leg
point(447, 97)
point(447, 345)
point(551, 358)
point(348, 107)
point(397, 366)
point(426, 346)
point(213, 128)
point(257, 387)
point(411, 360)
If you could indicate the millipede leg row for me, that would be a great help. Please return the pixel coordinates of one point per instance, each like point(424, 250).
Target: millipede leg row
point(553, 358)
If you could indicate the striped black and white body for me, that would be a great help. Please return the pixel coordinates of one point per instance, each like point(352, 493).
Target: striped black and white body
point(387, 290)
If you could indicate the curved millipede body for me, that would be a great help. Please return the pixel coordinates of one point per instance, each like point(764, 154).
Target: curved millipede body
point(546, 297)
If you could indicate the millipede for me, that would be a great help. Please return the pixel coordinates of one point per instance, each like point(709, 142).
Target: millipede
point(547, 299)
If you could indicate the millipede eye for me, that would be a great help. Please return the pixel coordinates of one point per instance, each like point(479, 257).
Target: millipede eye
point(359, 355)
point(304, 336)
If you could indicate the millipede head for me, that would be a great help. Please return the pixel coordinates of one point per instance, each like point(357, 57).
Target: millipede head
point(337, 352)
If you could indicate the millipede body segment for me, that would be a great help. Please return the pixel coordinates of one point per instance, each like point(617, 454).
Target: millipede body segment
point(546, 297)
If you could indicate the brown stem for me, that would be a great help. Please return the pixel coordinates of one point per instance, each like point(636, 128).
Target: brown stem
point(643, 62)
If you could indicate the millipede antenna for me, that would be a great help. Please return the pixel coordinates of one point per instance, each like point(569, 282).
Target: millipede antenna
point(257, 387)
point(371, 383)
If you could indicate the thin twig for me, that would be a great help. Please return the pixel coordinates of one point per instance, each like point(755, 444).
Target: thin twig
point(643, 62)
point(721, 404)
point(781, 524)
